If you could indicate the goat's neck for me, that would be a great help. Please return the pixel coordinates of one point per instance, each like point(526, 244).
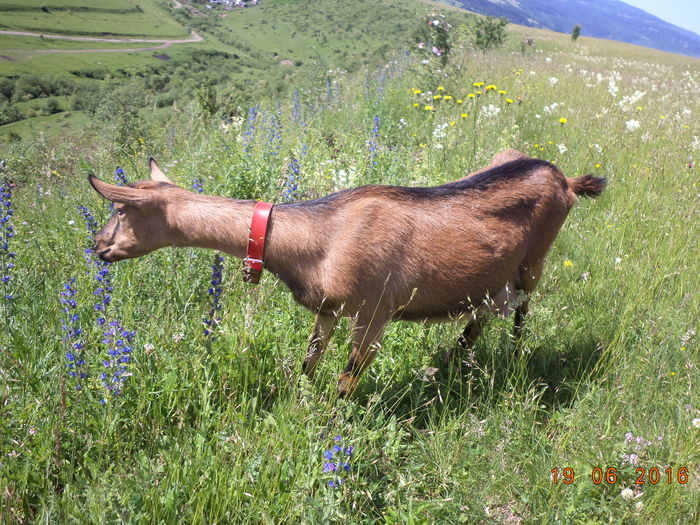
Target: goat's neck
point(206, 221)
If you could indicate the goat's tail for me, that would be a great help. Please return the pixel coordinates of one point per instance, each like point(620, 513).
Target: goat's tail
point(587, 185)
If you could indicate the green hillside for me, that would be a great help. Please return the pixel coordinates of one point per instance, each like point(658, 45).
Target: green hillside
point(247, 53)
point(122, 18)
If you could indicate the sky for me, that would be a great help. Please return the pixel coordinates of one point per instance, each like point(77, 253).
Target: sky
point(682, 13)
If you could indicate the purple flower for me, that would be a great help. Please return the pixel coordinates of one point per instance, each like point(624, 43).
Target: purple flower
point(215, 290)
point(7, 232)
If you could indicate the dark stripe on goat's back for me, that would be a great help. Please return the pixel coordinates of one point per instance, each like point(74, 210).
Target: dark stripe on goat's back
point(510, 171)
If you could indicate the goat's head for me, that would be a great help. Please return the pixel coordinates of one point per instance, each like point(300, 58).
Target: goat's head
point(138, 224)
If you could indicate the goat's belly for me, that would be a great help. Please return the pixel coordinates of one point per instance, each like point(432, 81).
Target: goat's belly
point(503, 303)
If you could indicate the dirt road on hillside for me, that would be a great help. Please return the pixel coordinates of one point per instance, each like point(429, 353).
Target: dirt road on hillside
point(162, 43)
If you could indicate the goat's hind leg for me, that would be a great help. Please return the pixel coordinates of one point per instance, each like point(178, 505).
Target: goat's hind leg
point(323, 331)
point(528, 277)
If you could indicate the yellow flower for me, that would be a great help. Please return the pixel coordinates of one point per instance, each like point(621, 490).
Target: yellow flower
point(673, 374)
point(416, 104)
point(597, 165)
point(639, 108)
point(437, 97)
point(563, 120)
point(471, 95)
point(141, 141)
point(55, 173)
point(536, 146)
point(568, 263)
point(459, 101)
point(452, 122)
point(447, 97)
point(463, 115)
point(440, 88)
point(509, 101)
point(478, 92)
point(501, 91)
point(428, 108)
point(478, 84)
point(662, 117)
point(417, 92)
point(490, 87)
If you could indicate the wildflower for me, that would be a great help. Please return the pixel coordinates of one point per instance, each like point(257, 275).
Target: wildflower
point(416, 105)
point(509, 101)
point(103, 285)
point(562, 148)
point(248, 135)
point(120, 177)
point(501, 92)
point(119, 342)
point(563, 120)
point(627, 494)
point(662, 117)
point(337, 461)
point(428, 108)
point(7, 232)
point(553, 81)
point(198, 185)
point(632, 125)
point(417, 91)
point(463, 115)
point(477, 84)
point(292, 182)
point(214, 291)
point(696, 422)
point(372, 142)
point(447, 97)
point(72, 333)
point(437, 97)
point(490, 87)
point(673, 374)
point(471, 95)
point(597, 165)
point(568, 263)
point(459, 101)
point(441, 88)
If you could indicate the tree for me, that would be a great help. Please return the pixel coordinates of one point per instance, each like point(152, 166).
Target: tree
point(489, 32)
point(575, 33)
point(433, 37)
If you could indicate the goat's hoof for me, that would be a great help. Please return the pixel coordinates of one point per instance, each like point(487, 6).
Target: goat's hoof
point(346, 385)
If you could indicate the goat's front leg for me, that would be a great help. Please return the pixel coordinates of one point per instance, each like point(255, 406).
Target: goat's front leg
point(472, 331)
point(366, 344)
point(323, 331)
point(529, 276)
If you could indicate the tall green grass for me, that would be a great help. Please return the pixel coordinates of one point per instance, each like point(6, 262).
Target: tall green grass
point(227, 430)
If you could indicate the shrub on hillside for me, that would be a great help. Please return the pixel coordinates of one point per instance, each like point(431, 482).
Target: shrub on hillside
point(489, 32)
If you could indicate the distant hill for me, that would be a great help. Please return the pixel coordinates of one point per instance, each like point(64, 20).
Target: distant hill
point(609, 19)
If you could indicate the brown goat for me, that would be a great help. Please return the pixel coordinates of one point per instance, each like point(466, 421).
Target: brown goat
point(373, 253)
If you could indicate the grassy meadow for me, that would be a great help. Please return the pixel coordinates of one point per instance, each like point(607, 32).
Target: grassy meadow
point(115, 407)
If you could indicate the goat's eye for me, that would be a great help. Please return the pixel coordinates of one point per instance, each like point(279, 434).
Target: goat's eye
point(120, 212)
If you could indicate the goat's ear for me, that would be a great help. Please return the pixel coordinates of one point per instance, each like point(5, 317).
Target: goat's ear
point(122, 194)
point(156, 173)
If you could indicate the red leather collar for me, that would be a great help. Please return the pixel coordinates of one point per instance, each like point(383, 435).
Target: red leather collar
point(255, 255)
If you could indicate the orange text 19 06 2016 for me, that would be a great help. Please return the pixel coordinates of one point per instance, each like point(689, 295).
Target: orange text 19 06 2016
point(609, 475)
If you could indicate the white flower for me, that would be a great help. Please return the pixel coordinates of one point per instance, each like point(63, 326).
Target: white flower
point(403, 123)
point(491, 111)
point(437, 51)
point(553, 81)
point(696, 422)
point(618, 260)
point(632, 125)
point(71, 222)
point(537, 115)
point(548, 59)
point(439, 131)
point(612, 87)
point(562, 148)
point(627, 494)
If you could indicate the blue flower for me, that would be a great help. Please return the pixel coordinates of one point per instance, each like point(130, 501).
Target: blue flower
point(214, 291)
point(120, 177)
point(7, 232)
point(70, 324)
point(336, 461)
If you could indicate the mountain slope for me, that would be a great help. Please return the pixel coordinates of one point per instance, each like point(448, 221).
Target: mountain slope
point(609, 19)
